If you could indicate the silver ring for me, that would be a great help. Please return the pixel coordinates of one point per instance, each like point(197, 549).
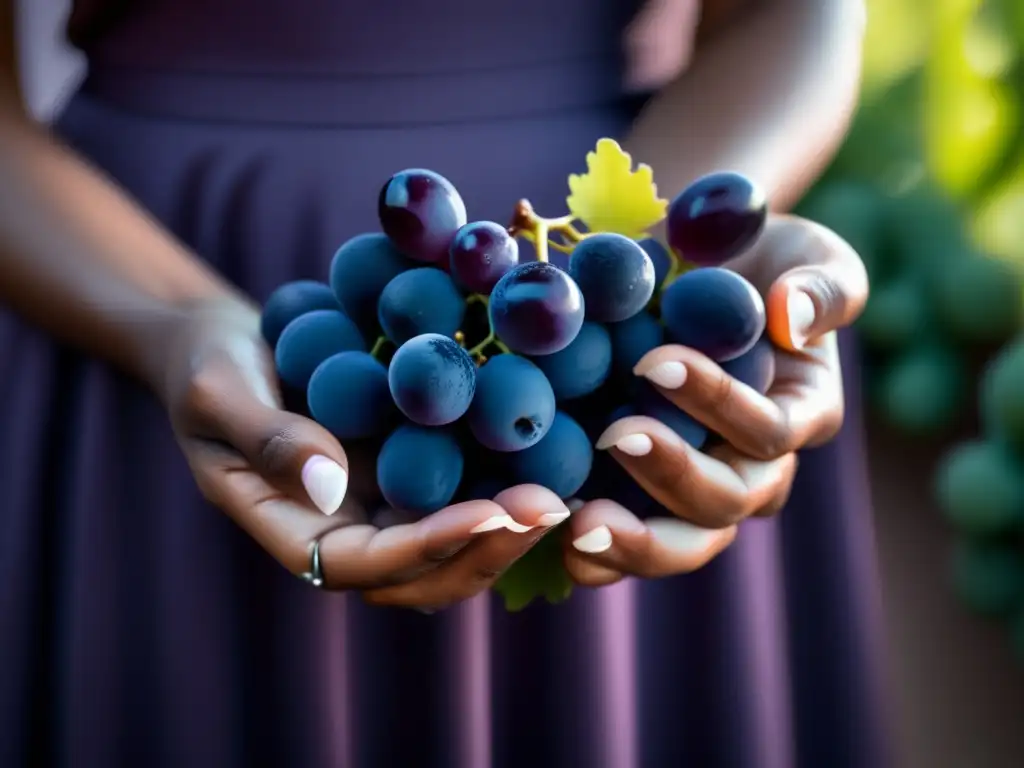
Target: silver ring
point(315, 576)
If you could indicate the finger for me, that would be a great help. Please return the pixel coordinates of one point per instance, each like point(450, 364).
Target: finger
point(607, 538)
point(695, 486)
point(813, 280)
point(478, 566)
point(294, 453)
point(802, 404)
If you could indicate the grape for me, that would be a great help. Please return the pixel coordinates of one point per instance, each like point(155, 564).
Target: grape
point(714, 311)
point(660, 258)
point(419, 301)
point(290, 301)
point(481, 254)
point(514, 404)
point(310, 339)
point(348, 394)
point(651, 403)
point(1002, 395)
point(536, 309)
point(360, 270)
point(615, 275)
point(989, 577)
point(716, 218)
point(581, 367)
point(634, 338)
point(979, 299)
point(432, 380)
point(981, 489)
point(560, 461)
point(756, 367)
point(419, 469)
point(421, 211)
point(922, 391)
point(897, 314)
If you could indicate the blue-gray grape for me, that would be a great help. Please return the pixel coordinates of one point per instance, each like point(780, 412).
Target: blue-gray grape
point(580, 368)
point(714, 311)
point(651, 403)
point(755, 367)
point(310, 339)
point(360, 270)
point(348, 394)
point(290, 301)
point(633, 338)
point(514, 404)
point(615, 275)
point(536, 309)
point(424, 300)
point(432, 380)
point(419, 469)
point(560, 461)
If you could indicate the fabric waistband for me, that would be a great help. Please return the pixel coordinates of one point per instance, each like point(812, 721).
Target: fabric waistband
point(357, 101)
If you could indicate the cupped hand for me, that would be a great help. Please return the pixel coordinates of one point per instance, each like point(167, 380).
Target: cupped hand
point(814, 284)
point(289, 484)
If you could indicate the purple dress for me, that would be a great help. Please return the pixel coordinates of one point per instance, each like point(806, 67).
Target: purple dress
point(140, 628)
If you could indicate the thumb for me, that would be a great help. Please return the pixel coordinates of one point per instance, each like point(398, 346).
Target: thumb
point(293, 453)
point(810, 301)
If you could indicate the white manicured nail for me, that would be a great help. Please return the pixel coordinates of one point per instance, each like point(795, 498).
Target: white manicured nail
point(326, 483)
point(801, 312)
point(667, 375)
point(681, 536)
point(499, 522)
point(594, 542)
point(552, 518)
point(635, 445)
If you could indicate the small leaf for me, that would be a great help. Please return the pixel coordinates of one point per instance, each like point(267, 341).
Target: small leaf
point(611, 197)
point(540, 573)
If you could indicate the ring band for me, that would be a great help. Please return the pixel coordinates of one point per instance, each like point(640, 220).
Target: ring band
point(315, 576)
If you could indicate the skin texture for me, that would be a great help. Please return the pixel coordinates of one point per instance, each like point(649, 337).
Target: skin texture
point(171, 322)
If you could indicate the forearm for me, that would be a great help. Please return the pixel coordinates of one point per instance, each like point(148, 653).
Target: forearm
point(771, 97)
point(80, 260)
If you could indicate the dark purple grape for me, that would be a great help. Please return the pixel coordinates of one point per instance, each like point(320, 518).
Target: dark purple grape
point(536, 309)
point(615, 275)
point(421, 211)
point(716, 218)
point(714, 311)
point(756, 367)
point(482, 252)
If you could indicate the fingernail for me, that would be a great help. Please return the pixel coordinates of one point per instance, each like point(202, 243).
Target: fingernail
point(681, 536)
point(667, 375)
point(552, 518)
point(326, 483)
point(801, 313)
point(595, 542)
point(635, 445)
point(499, 522)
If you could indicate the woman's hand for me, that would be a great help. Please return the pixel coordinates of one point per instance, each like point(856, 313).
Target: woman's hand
point(814, 284)
point(283, 479)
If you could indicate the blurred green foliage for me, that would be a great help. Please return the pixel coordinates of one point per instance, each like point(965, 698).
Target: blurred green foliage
point(929, 188)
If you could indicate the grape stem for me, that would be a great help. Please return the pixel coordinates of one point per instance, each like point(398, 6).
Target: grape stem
point(490, 340)
point(378, 346)
point(526, 223)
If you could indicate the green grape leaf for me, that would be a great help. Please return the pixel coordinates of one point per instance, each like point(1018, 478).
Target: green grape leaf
point(540, 573)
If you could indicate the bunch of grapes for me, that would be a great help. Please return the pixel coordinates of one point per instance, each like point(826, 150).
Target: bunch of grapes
point(935, 300)
point(467, 368)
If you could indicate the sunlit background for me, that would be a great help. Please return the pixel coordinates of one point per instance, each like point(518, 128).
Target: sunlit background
point(930, 188)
